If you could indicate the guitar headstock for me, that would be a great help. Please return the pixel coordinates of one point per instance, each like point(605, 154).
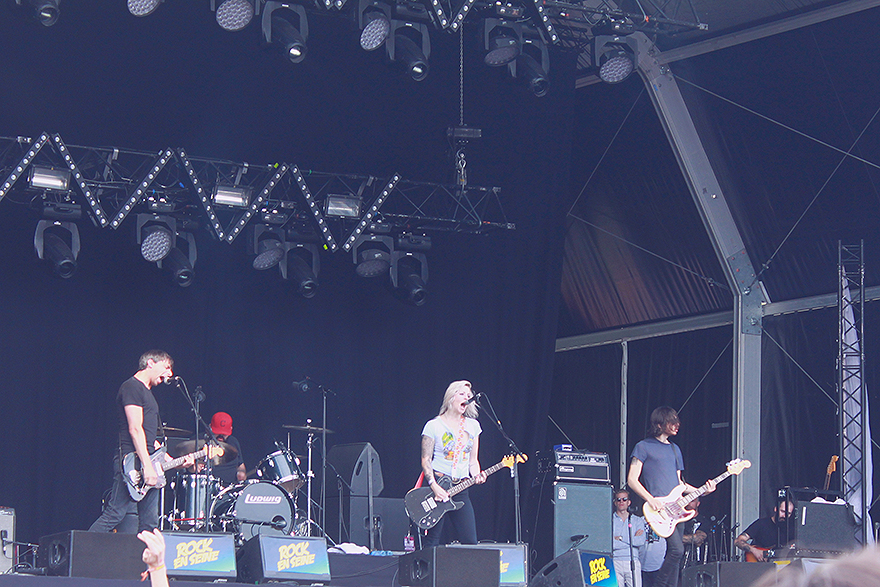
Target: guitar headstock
point(510, 459)
point(737, 466)
point(832, 465)
point(214, 451)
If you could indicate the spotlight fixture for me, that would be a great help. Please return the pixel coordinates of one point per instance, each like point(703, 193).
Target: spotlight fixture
point(46, 12)
point(58, 242)
point(181, 263)
point(268, 247)
point(410, 44)
point(372, 255)
point(156, 235)
point(374, 22)
point(615, 57)
point(533, 66)
point(343, 206)
point(286, 26)
point(301, 266)
point(235, 196)
point(409, 273)
point(143, 7)
point(501, 40)
point(49, 178)
point(234, 15)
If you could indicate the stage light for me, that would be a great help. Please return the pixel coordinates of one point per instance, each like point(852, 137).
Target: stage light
point(615, 57)
point(411, 46)
point(342, 206)
point(533, 66)
point(227, 195)
point(156, 235)
point(409, 274)
point(234, 15)
point(501, 41)
point(143, 7)
point(181, 263)
point(286, 26)
point(58, 243)
point(268, 247)
point(46, 12)
point(301, 266)
point(372, 255)
point(375, 27)
point(49, 178)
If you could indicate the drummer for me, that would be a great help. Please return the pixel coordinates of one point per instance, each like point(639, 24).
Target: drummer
point(233, 471)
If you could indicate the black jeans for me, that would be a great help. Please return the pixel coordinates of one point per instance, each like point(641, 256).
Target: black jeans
point(121, 503)
point(462, 519)
point(667, 576)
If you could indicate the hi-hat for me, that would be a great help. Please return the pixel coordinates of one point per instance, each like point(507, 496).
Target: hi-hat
point(310, 429)
point(189, 446)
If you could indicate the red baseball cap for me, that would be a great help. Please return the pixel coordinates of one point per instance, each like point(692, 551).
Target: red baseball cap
point(221, 423)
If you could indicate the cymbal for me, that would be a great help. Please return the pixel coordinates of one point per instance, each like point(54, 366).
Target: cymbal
point(310, 429)
point(189, 446)
point(172, 431)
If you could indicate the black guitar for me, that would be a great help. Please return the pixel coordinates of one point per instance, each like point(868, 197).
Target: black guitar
point(426, 511)
point(131, 468)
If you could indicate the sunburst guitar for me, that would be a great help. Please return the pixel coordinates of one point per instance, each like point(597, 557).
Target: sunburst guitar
point(673, 512)
point(426, 511)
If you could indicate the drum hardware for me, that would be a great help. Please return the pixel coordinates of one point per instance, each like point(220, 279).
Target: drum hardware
point(165, 430)
point(308, 428)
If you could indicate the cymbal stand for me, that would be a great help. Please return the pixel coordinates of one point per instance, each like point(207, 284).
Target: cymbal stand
point(309, 476)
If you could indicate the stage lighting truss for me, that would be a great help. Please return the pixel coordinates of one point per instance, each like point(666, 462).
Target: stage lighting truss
point(172, 195)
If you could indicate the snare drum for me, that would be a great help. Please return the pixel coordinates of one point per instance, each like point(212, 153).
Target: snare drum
point(253, 508)
point(280, 468)
point(193, 495)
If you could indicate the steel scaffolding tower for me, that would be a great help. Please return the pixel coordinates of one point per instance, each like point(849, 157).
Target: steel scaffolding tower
point(853, 402)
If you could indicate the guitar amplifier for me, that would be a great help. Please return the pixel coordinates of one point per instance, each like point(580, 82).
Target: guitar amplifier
point(576, 465)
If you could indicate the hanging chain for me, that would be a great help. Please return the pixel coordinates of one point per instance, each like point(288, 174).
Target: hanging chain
point(461, 77)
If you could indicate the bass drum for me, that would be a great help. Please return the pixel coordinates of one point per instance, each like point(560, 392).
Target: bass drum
point(252, 509)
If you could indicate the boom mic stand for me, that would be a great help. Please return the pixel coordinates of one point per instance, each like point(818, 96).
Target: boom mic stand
point(194, 403)
point(514, 470)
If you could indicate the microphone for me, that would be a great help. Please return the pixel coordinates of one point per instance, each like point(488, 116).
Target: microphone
point(200, 395)
point(278, 523)
point(474, 398)
point(175, 379)
point(577, 537)
point(304, 386)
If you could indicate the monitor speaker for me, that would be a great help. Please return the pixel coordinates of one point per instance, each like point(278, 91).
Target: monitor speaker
point(823, 528)
point(443, 566)
point(576, 568)
point(725, 574)
point(95, 555)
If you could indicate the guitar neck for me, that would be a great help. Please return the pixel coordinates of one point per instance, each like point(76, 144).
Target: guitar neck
point(470, 481)
point(174, 463)
point(703, 489)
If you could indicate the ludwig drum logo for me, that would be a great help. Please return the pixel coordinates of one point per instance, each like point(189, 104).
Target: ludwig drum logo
point(263, 499)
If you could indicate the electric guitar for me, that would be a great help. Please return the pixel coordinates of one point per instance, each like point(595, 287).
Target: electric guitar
point(673, 512)
point(132, 470)
point(423, 508)
point(832, 466)
point(768, 555)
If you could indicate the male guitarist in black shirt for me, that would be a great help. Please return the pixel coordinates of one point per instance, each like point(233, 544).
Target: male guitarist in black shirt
point(138, 416)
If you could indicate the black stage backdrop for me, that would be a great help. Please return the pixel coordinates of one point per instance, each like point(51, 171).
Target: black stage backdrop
point(102, 77)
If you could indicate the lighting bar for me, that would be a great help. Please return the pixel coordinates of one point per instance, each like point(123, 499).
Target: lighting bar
point(258, 202)
point(371, 212)
point(200, 192)
point(91, 199)
point(545, 20)
point(18, 171)
point(49, 178)
point(230, 195)
point(462, 13)
point(342, 206)
point(138, 193)
point(329, 241)
point(439, 13)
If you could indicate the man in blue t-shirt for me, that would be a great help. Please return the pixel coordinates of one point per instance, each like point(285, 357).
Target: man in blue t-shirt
point(654, 472)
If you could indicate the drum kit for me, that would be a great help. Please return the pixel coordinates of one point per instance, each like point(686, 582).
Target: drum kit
point(263, 504)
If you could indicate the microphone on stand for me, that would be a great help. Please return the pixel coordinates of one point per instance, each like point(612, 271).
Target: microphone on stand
point(304, 386)
point(200, 395)
point(474, 398)
point(172, 380)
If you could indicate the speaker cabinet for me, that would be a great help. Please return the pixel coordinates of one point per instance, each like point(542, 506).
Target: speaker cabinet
point(514, 561)
point(823, 528)
point(7, 534)
point(444, 566)
point(727, 574)
point(389, 520)
point(300, 560)
point(95, 555)
point(354, 463)
point(565, 512)
point(577, 568)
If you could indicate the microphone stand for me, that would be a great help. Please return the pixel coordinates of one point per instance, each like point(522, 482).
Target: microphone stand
point(194, 406)
point(514, 470)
